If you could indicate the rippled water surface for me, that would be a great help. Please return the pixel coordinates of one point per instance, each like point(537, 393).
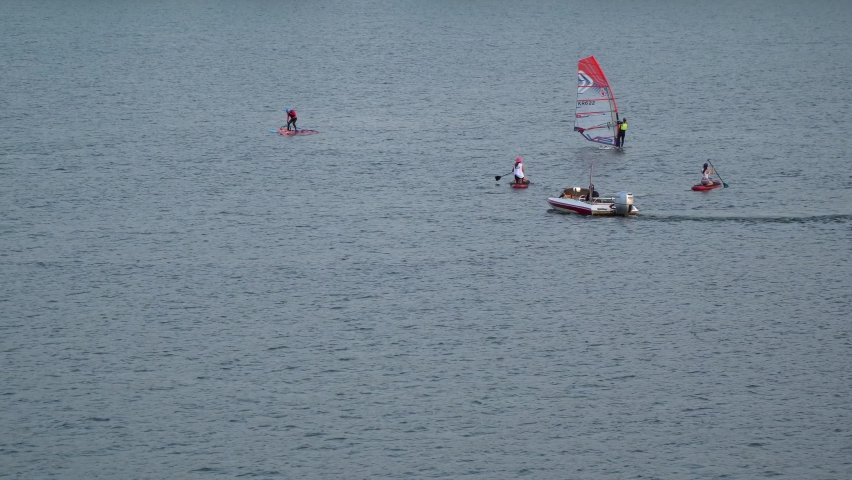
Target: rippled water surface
point(185, 295)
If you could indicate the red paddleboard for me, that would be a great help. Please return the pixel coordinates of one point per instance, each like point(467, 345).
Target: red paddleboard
point(520, 185)
point(292, 133)
point(704, 188)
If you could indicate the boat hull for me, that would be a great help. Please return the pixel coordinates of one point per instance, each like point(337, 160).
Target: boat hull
point(579, 207)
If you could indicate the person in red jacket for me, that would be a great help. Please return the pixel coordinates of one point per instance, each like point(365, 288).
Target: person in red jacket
point(291, 118)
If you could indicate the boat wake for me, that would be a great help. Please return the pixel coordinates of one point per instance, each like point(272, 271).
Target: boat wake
point(824, 219)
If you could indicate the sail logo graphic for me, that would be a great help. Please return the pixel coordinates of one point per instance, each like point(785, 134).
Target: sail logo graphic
point(603, 93)
point(584, 83)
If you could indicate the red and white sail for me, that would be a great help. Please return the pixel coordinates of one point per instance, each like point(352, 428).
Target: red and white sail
point(597, 114)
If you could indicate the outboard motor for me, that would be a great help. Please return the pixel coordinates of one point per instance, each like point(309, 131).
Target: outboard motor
point(623, 203)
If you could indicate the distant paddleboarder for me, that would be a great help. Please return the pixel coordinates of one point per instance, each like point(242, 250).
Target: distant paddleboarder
point(705, 175)
point(291, 119)
point(518, 171)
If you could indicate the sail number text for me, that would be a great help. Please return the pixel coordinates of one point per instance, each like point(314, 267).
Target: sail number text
point(585, 102)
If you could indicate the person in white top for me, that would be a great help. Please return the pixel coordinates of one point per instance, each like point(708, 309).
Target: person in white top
point(705, 175)
point(518, 171)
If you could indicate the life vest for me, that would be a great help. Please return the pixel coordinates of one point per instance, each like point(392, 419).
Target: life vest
point(623, 126)
point(292, 114)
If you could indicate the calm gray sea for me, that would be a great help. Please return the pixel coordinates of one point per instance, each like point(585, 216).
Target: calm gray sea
point(186, 295)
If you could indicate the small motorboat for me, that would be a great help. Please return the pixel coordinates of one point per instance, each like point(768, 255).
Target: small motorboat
point(703, 188)
point(575, 200)
point(587, 201)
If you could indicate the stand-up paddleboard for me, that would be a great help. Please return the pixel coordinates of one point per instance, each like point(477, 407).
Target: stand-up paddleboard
point(704, 188)
point(293, 133)
point(519, 185)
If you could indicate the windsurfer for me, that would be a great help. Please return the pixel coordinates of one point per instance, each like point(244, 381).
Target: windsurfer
point(705, 175)
point(518, 171)
point(622, 131)
point(291, 119)
point(617, 133)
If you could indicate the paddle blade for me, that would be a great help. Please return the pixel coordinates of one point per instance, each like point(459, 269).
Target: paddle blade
point(725, 185)
point(497, 177)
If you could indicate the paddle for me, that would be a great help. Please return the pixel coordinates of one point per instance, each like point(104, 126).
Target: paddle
point(725, 185)
point(498, 177)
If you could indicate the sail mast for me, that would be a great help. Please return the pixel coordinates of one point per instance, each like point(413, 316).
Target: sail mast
point(591, 185)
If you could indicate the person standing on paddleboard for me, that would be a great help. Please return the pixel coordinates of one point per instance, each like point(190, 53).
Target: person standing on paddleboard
point(622, 131)
point(291, 118)
point(518, 171)
point(705, 175)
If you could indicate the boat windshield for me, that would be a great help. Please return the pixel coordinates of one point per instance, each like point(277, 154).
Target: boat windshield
point(582, 194)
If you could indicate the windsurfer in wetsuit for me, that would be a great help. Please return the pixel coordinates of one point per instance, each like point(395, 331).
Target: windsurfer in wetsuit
point(617, 133)
point(622, 131)
point(518, 171)
point(291, 118)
